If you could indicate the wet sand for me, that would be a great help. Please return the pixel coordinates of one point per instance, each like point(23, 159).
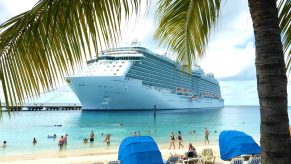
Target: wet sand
point(95, 155)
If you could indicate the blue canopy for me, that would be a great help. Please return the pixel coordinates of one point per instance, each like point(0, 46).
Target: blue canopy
point(234, 143)
point(139, 150)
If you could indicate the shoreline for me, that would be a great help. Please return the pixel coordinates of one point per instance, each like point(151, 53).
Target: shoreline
point(96, 155)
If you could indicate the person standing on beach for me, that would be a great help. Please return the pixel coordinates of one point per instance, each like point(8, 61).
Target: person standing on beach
point(206, 138)
point(92, 136)
point(180, 139)
point(172, 140)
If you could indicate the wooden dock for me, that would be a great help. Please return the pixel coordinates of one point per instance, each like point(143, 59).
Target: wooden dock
point(43, 107)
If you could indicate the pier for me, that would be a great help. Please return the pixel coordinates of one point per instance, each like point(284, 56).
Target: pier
point(43, 107)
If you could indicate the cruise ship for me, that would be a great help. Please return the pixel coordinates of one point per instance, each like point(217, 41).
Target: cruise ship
point(135, 78)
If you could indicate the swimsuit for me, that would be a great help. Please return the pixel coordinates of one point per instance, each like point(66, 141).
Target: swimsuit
point(172, 137)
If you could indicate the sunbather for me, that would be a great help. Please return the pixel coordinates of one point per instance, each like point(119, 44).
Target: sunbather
point(191, 153)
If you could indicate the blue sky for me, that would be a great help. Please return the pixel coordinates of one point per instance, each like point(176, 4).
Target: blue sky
point(230, 54)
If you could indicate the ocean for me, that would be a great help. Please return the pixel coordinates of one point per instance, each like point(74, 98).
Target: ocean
point(21, 127)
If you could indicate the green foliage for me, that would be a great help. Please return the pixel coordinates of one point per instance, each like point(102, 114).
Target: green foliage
point(41, 46)
point(184, 26)
point(285, 23)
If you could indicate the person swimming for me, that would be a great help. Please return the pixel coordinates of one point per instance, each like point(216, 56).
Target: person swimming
point(4, 143)
point(52, 136)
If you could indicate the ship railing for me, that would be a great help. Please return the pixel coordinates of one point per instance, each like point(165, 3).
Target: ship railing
point(131, 79)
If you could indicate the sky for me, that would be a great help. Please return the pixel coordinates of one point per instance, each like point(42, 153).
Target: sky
point(230, 54)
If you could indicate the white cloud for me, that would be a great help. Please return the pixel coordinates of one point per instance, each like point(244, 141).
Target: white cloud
point(15, 7)
point(231, 49)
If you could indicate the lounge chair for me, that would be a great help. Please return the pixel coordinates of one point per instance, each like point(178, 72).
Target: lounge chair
point(207, 156)
point(172, 160)
point(114, 162)
point(237, 161)
point(254, 160)
point(192, 160)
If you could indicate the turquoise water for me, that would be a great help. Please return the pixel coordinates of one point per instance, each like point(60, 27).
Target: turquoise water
point(22, 127)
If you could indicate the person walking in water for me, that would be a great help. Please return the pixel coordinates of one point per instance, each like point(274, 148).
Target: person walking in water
point(206, 136)
point(92, 136)
point(172, 140)
point(65, 139)
point(180, 139)
point(61, 142)
point(34, 141)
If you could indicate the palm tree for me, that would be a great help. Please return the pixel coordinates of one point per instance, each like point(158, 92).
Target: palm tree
point(39, 47)
point(42, 45)
point(184, 27)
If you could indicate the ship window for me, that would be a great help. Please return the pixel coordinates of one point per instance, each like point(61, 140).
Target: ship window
point(114, 74)
point(113, 65)
point(122, 61)
point(120, 65)
point(117, 70)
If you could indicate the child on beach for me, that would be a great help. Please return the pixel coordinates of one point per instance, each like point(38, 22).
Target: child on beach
point(172, 140)
point(107, 138)
point(180, 139)
point(85, 140)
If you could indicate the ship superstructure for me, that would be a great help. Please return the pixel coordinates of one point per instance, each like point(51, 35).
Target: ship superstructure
point(135, 78)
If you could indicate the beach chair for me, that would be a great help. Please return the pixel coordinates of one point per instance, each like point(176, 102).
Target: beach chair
point(172, 160)
point(207, 156)
point(192, 160)
point(237, 161)
point(114, 162)
point(254, 160)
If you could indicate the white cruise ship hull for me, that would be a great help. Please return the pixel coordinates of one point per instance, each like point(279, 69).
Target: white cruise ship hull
point(120, 93)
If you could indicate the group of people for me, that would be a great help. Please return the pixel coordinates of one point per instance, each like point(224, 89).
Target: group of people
point(180, 140)
point(134, 134)
point(92, 137)
point(5, 142)
point(172, 140)
point(63, 141)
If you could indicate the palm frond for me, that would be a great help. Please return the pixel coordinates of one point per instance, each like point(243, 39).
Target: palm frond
point(39, 47)
point(285, 23)
point(184, 26)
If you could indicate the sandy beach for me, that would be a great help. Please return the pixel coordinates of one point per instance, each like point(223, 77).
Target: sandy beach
point(94, 155)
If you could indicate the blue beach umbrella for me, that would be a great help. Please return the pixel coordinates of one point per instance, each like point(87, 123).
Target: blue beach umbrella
point(234, 143)
point(139, 150)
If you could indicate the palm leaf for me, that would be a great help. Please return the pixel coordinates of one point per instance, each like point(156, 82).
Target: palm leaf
point(285, 23)
point(184, 26)
point(41, 46)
